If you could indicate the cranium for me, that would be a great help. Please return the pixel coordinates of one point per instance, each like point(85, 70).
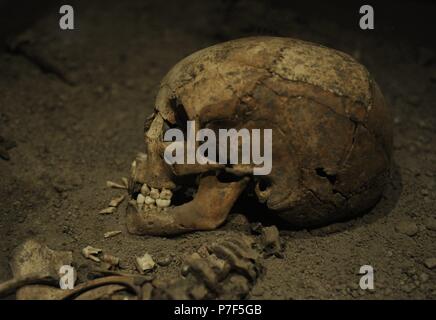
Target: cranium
point(331, 145)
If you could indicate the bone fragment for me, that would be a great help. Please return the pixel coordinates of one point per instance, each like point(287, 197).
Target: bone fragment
point(108, 210)
point(110, 259)
point(115, 202)
point(145, 263)
point(111, 234)
point(111, 184)
point(91, 253)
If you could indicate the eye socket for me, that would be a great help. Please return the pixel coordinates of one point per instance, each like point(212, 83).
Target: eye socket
point(180, 113)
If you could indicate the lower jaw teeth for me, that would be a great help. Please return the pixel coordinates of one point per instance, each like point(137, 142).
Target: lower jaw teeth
point(149, 200)
point(152, 198)
point(163, 203)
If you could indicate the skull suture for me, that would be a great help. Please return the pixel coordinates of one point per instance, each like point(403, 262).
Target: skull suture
point(332, 135)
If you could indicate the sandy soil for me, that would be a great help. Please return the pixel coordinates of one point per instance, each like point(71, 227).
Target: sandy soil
point(72, 138)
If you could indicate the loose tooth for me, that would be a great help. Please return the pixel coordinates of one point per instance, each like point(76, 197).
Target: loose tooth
point(149, 200)
point(133, 168)
point(108, 210)
point(125, 181)
point(111, 234)
point(166, 194)
point(115, 202)
point(163, 203)
point(145, 190)
point(111, 184)
point(140, 200)
point(91, 252)
point(154, 193)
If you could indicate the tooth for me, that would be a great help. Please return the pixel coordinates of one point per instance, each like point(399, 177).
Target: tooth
point(115, 202)
point(108, 210)
point(149, 200)
point(152, 206)
point(154, 193)
point(91, 253)
point(163, 203)
point(145, 190)
point(111, 184)
point(140, 200)
point(166, 194)
point(125, 182)
point(133, 168)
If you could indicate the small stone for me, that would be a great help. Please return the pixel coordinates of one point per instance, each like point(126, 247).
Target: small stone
point(166, 261)
point(430, 263)
point(408, 228)
point(145, 263)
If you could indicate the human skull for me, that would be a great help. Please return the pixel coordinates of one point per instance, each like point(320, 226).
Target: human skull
point(331, 144)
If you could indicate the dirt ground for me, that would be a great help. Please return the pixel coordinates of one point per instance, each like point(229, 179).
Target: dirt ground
point(78, 121)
